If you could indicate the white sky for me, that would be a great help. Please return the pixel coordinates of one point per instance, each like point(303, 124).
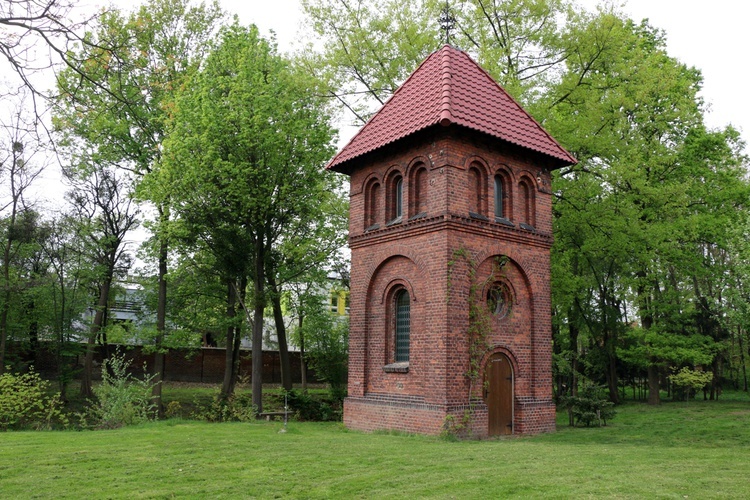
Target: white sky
point(712, 36)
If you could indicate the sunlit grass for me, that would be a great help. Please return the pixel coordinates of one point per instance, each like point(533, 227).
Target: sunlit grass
point(694, 450)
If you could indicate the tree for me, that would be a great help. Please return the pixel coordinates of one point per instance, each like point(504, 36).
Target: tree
point(243, 161)
point(125, 76)
point(105, 214)
point(323, 337)
point(37, 36)
point(68, 296)
point(638, 209)
point(308, 245)
point(20, 150)
point(641, 222)
point(364, 60)
point(370, 48)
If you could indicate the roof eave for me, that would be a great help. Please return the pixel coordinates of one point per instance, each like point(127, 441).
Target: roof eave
point(347, 166)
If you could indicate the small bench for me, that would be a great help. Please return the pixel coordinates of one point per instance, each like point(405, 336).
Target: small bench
point(272, 415)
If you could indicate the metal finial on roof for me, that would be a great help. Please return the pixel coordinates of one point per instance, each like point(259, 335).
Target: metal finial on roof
point(447, 22)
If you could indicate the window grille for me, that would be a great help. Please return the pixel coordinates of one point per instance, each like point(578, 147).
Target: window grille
point(402, 326)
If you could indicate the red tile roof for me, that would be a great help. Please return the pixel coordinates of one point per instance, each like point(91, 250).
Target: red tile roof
point(450, 88)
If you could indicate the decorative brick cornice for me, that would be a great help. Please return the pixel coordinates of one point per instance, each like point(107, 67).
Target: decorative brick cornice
point(455, 222)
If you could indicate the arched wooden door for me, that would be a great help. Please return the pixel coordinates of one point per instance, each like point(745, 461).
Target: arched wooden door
point(499, 394)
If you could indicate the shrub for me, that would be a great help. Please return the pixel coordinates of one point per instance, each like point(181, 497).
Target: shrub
point(308, 408)
point(121, 399)
point(690, 380)
point(174, 410)
point(327, 347)
point(26, 403)
point(236, 408)
point(590, 406)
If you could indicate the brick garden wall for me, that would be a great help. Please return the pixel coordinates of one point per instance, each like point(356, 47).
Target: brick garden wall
point(205, 365)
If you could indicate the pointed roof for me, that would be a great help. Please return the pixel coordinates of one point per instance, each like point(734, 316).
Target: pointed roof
point(450, 88)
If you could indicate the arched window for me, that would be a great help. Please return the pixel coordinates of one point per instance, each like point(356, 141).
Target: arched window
point(403, 326)
point(418, 191)
point(395, 202)
point(398, 196)
point(499, 197)
point(477, 195)
point(503, 198)
point(526, 204)
point(372, 205)
point(499, 300)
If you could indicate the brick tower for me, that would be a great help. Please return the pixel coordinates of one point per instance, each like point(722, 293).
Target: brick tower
point(450, 230)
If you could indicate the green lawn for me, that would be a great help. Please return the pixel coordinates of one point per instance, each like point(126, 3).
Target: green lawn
point(678, 450)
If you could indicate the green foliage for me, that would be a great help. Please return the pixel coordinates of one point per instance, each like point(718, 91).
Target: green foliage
point(665, 347)
point(646, 224)
point(249, 134)
point(690, 380)
point(308, 408)
point(590, 406)
point(173, 410)
point(480, 317)
point(235, 408)
point(370, 48)
point(327, 349)
point(237, 194)
point(26, 403)
point(121, 399)
point(455, 427)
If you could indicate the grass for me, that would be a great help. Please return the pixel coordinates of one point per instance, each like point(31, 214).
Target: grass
point(678, 450)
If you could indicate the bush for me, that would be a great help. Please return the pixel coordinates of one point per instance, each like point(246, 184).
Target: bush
point(590, 406)
point(236, 408)
point(120, 398)
point(174, 410)
point(690, 380)
point(327, 350)
point(308, 408)
point(26, 403)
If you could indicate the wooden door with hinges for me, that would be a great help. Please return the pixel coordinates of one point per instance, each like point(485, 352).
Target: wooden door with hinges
point(498, 394)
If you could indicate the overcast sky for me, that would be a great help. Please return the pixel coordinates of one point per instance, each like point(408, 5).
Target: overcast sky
point(711, 35)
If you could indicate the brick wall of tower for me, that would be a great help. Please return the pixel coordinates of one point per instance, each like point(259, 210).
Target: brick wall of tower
point(414, 254)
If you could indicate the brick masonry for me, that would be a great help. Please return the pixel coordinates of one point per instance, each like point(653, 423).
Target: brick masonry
point(442, 169)
point(204, 365)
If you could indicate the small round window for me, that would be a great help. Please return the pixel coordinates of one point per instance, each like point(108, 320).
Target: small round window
point(499, 300)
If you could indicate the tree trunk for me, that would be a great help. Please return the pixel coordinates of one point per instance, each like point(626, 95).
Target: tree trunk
point(96, 326)
point(6, 301)
point(278, 317)
point(6, 269)
point(242, 295)
point(647, 321)
point(230, 374)
point(259, 305)
point(715, 380)
point(654, 398)
point(4, 328)
point(742, 359)
point(161, 322)
point(302, 364)
point(614, 393)
point(33, 356)
point(573, 341)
